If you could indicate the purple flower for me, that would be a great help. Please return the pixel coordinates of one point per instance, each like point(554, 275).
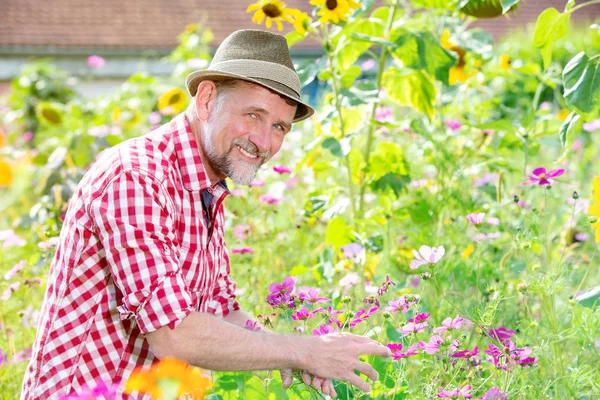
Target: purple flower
point(323, 330)
point(311, 295)
point(95, 61)
point(501, 333)
point(242, 250)
point(456, 393)
point(270, 199)
point(22, 356)
point(411, 351)
point(384, 286)
point(252, 326)
point(355, 252)
point(427, 255)
point(282, 169)
point(362, 315)
point(476, 219)
point(453, 124)
point(302, 314)
point(3, 357)
point(101, 391)
point(420, 317)
point(154, 118)
point(487, 178)
point(27, 136)
point(330, 314)
point(394, 346)
point(281, 293)
point(466, 353)
point(541, 177)
point(495, 394)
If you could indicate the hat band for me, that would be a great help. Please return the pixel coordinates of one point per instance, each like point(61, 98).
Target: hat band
point(260, 69)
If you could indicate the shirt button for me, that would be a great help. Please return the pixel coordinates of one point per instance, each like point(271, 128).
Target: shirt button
point(209, 190)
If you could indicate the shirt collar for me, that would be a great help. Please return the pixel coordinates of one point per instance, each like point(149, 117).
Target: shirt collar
point(191, 167)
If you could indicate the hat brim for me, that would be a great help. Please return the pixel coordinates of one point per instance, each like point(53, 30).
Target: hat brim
point(192, 81)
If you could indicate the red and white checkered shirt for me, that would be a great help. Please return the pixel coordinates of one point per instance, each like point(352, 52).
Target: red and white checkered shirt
point(135, 254)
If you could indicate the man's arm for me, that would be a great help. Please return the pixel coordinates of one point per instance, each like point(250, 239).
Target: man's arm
point(239, 318)
point(210, 342)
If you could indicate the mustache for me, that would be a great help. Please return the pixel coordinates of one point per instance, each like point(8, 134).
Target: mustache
point(251, 148)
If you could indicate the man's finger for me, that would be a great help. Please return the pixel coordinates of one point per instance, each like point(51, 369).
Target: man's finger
point(286, 378)
point(317, 382)
point(367, 369)
point(359, 383)
point(375, 349)
point(332, 391)
point(306, 378)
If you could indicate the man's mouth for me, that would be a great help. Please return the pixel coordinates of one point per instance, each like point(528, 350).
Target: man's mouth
point(246, 153)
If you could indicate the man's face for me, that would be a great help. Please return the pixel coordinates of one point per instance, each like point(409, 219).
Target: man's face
point(244, 131)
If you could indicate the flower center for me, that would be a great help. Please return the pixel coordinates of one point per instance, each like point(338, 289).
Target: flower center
point(271, 10)
point(175, 99)
point(331, 4)
point(542, 176)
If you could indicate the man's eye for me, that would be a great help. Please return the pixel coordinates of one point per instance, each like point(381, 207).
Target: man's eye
point(279, 127)
point(253, 115)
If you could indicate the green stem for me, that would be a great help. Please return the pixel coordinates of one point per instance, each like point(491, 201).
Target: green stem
point(589, 3)
point(381, 66)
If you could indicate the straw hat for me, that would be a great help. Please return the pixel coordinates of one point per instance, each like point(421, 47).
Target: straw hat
point(255, 56)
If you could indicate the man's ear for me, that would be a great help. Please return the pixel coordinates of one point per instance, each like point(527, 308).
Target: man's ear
point(205, 99)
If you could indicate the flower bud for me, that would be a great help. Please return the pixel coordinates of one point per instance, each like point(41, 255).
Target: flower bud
point(548, 187)
point(516, 198)
point(522, 287)
point(425, 276)
point(346, 299)
point(386, 314)
point(575, 195)
point(592, 219)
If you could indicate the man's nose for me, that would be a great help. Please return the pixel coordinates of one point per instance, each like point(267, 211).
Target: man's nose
point(261, 139)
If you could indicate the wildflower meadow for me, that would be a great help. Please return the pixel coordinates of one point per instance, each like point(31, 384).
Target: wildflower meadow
point(444, 200)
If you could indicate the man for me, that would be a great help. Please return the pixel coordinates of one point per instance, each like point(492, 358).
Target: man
point(141, 271)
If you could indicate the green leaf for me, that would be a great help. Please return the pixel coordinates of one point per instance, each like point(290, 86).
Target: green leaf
point(443, 4)
point(307, 72)
point(349, 75)
point(349, 49)
point(384, 367)
point(394, 182)
point(411, 88)
point(508, 4)
point(551, 25)
point(581, 78)
point(569, 6)
point(336, 232)
point(294, 37)
point(590, 298)
point(392, 333)
point(339, 148)
point(422, 50)
point(567, 130)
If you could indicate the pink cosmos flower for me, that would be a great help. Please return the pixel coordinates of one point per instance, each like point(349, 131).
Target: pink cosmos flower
point(495, 393)
point(433, 346)
point(48, 244)
point(453, 124)
point(101, 391)
point(466, 353)
point(384, 114)
point(351, 279)
point(323, 330)
point(252, 326)
point(355, 252)
point(3, 357)
point(270, 199)
point(411, 351)
point(13, 287)
point(545, 105)
point(154, 118)
point(237, 192)
point(510, 354)
point(363, 315)
point(305, 314)
point(242, 250)
point(384, 286)
point(541, 177)
point(95, 61)
point(22, 356)
point(330, 314)
point(427, 255)
point(282, 169)
point(420, 317)
point(27, 136)
point(394, 346)
point(450, 323)
point(456, 393)
point(256, 183)
point(367, 65)
point(476, 219)
point(13, 271)
point(239, 231)
point(311, 295)
point(501, 333)
point(488, 131)
point(281, 293)
point(402, 304)
point(592, 126)
point(485, 179)
point(10, 238)
point(413, 327)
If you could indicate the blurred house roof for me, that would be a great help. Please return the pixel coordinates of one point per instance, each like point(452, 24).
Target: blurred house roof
point(155, 24)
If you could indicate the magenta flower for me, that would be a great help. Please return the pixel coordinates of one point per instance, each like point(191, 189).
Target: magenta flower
point(420, 317)
point(101, 391)
point(476, 219)
point(95, 61)
point(270, 199)
point(495, 394)
point(13, 271)
point(302, 315)
point(453, 124)
point(394, 346)
point(311, 295)
point(412, 327)
point(3, 357)
point(466, 353)
point(510, 354)
point(323, 330)
point(355, 252)
point(433, 346)
point(281, 293)
point(242, 250)
point(384, 286)
point(27, 136)
point(456, 393)
point(282, 169)
point(541, 177)
point(411, 351)
point(501, 333)
point(402, 304)
point(330, 314)
point(252, 326)
point(427, 256)
point(363, 315)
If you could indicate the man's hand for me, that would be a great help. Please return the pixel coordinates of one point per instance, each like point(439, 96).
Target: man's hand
point(336, 356)
point(325, 385)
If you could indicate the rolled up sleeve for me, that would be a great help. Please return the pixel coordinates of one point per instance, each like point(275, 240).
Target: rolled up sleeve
point(134, 222)
point(223, 294)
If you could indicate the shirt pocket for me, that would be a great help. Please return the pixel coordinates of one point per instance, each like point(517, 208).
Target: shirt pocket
point(194, 268)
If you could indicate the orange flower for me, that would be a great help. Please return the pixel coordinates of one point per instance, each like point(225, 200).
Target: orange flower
point(187, 380)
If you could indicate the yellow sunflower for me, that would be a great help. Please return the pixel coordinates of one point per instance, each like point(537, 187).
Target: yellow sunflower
point(273, 10)
point(456, 73)
point(172, 102)
point(594, 209)
point(126, 116)
point(334, 10)
point(301, 21)
point(505, 62)
point(50, 113)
